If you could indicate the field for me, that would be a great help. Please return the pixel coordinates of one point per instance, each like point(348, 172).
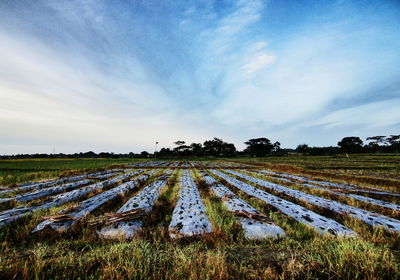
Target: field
point(294, 217)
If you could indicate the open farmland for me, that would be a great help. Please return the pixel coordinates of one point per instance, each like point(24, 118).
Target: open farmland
point(270, 218)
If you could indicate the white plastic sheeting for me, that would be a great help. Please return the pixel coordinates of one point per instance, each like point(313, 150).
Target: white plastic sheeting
point(46, 192)
point(253, 229)
point(147, 164)
point(373, 219)
point(10, 215)
point(370, 200)
point(105, 176)
point(29, 187)
point(144, 200)
point(189, 216)
point(349, 187)
point(89, 205)
point(48, 183)
point(319, 223)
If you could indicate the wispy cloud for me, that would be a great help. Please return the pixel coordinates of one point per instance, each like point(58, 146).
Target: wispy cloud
point(94, 75)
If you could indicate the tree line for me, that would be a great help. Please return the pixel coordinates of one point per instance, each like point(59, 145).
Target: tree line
point(256, 147)
point(353, 144)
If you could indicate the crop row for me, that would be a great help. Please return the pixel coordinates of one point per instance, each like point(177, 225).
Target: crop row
point(189, 216)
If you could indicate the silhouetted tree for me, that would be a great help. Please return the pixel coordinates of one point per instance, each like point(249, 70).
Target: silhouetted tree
point(197, 149)
point(217, 147)
point(394, 141)
point(277, 146)
point(179, 143)
point(145, 154)
point(302, 148)
point(164, 152)
point(182, 149)
point(259, 147)
point(376, 142)
point(351, 144)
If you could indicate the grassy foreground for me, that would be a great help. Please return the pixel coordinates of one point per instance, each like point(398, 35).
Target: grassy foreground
point(224, 254)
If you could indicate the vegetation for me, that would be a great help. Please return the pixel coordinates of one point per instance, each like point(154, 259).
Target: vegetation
point(353, 144)
point(223, 254)
point(20, 170)
point(257, 147)
point(261, 147)
point(215, 148)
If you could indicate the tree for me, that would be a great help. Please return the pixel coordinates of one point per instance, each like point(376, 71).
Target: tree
point(144, 154)
point(277, 146)
point(302, 148)
point(181, 149)
point(376, 143)
point(179, 143)
point(351, 144)
point(165, 152)
point(217, 147)
point(259, 147)
point(197, 149)
point(394, 141)
point(376, 140)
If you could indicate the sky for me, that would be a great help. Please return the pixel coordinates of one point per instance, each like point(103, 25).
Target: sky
point(117, 76)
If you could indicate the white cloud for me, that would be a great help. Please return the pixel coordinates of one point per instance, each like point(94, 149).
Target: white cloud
point(373, 115)
point(310, 72)
point(226, 33)
point(258, 61)
point(94, 87)
point(49, 97)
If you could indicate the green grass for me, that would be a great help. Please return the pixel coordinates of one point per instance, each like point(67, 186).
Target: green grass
point(223, 254)
point(22, 170)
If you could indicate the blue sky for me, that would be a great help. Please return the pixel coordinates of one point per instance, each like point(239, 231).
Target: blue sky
point(120, 75)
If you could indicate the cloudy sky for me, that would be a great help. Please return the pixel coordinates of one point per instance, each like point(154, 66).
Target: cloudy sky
point(119, 75)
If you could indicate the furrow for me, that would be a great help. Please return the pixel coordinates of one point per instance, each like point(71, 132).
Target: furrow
point(350, 188)
point(373, 219)
point(87, 206)
point(46, 192)
point(373, 201)
point(253, 228)
point(40, 185)
point(17, 213)
point(143, 201)
point(319, 223)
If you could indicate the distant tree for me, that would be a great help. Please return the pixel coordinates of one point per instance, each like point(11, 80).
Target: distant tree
point(179, 143)
point(302, 148)
point(259, 147)
point(107, 155)
point(197, 149)
point(181, 149)
point(164, 152)
point(351, 144)
point(323, 151)
point(394, 141)
point(217, 147)
point(377, 143)
point(276, 146)
point(132, 155)
point(228, 150)
point(145, 154)
point(89, 154)
point(377, 140)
